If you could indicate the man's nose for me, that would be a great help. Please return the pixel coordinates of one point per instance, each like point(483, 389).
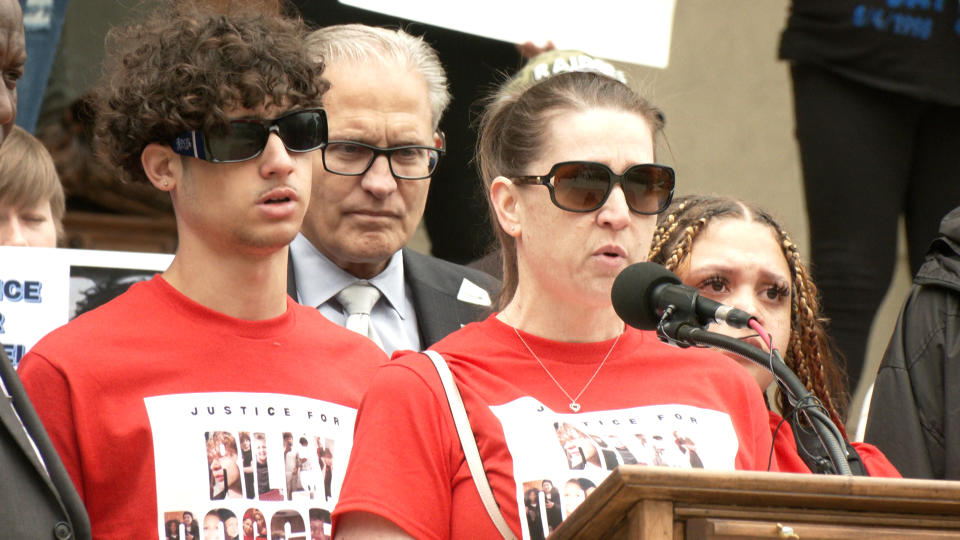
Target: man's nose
point(379, 179)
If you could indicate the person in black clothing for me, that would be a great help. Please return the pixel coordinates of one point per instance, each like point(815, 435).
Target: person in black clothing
point(531, 503)
point(326, 465)
point(191, 527)
point(917, 391)
point(172, 527)
point(246, 455)
point(263, 473)
point(876, 91)
point(551, 500)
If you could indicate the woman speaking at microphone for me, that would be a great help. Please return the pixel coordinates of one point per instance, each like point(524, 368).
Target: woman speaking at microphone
point(739, 255)
point(554, 386)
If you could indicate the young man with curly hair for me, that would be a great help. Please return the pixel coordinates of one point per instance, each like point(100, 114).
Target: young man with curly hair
point(221, 112)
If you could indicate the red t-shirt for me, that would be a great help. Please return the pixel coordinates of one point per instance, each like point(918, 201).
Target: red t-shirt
point(789, 460)
point(649, 404)
point(149, 398)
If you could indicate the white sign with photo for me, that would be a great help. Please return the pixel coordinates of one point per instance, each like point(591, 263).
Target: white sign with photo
point(637, 32)
point(43, 288)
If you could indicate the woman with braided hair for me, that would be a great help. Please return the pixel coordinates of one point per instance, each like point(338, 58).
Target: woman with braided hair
point(737, 253)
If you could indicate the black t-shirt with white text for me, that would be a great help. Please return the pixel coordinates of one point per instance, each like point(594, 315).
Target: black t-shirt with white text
point(910, 47)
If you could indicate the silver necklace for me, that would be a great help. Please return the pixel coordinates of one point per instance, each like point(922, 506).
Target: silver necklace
point(574, 405)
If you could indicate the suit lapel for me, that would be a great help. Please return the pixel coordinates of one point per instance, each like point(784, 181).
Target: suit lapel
point(55, 475)
point(10, 422)
point(436, 309)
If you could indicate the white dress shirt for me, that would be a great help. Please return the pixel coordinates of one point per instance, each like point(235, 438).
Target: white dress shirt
point(319, 280)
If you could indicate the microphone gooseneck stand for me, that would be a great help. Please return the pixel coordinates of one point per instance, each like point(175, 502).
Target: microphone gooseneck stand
point(675, 327)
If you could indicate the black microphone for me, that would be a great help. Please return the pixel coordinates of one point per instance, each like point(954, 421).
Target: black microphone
point(643, 291)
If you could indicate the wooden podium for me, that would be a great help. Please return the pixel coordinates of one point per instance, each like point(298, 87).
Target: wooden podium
point(653, 503)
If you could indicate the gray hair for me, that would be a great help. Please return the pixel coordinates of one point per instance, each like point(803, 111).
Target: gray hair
point(360, 43)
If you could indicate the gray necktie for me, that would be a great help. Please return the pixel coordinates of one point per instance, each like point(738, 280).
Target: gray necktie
point(358, 299)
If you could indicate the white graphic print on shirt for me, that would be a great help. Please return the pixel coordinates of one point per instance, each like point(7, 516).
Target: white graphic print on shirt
point(270, 462)
point(559, 458)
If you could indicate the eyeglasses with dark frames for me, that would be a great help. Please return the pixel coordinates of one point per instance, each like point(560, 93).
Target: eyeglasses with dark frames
point(584, 186)
point(407, 162)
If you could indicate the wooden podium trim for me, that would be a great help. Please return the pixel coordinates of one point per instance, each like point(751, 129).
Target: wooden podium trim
point(651, 519)
point(613, 510)
point(721, 529)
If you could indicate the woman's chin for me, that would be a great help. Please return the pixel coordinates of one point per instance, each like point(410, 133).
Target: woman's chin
point(758, 373)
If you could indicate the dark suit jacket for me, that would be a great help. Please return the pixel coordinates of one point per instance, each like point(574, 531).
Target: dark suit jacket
point(34, 504)
point(434, 284)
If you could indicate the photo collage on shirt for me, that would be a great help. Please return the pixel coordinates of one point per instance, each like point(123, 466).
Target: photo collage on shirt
point(559, 458)
point(239, 468)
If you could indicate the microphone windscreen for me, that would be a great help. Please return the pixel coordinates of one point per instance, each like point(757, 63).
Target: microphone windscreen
point(632, 293)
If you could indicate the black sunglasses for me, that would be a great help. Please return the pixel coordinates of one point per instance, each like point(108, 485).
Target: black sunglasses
point(300, 131)
point(583, 186)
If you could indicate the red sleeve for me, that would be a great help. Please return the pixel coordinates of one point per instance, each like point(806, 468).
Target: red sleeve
point(766, 455)
point(789, 458)
point(738, 392)
point(402, 458)
point(875, 461)
point(50, 394)
point(785, 446)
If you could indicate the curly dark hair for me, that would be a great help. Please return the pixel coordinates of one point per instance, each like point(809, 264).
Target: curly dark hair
point(808, 354)
point(186, 66)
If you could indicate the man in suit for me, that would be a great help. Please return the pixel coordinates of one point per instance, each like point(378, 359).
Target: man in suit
point(36, 494)
point(387, 94)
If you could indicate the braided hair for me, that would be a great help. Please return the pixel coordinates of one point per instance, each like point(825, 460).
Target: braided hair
point(808, 353)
